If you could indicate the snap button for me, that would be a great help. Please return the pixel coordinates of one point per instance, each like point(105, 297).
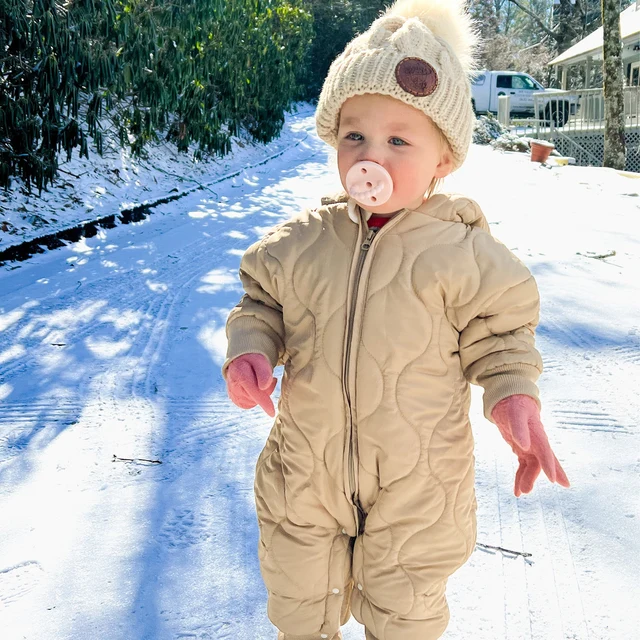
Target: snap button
point(344, 531)
point(336, 590)
point(324, 635)
point(359, 586)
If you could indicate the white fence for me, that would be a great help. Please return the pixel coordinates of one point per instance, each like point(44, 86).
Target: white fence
point(574, 122)
point(583, 109)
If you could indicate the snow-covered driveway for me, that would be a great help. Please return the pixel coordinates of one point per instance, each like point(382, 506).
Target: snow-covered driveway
point(112, 346)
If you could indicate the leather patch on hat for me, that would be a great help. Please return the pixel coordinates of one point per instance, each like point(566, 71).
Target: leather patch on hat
point(417, 77)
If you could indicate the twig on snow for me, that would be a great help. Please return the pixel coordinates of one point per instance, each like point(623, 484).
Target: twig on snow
point(70, 174)
point(175, 175)
point(524, 554)
point(597, 256)
point(119, 459)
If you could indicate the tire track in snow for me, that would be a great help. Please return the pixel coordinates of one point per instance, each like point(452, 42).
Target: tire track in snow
point(587, 415)
point(550, 577)
point(18, 581)
point(629, 353)
point(203, 426)
point(217, 631)
point(566, 335)
point(37, 319)
point(20, 422)
point(527, 598)
point(553, 366)
point(571, 609)
point(150, 351)
point(17, 420)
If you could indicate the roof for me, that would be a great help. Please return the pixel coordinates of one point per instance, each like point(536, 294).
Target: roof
point(592, 44)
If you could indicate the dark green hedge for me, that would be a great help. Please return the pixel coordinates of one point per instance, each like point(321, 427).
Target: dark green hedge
point(335, 23)
point(196, 69)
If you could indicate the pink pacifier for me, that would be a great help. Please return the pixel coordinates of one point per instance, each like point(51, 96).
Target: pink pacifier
point(369, 183)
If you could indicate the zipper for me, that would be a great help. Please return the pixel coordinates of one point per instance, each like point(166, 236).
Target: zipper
point(353, 488)
point(353, 434)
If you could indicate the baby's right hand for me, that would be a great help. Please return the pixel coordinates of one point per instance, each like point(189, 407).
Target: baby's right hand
point(250, 382)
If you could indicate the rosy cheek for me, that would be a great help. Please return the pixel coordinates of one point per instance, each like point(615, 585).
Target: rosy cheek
point(344, 161)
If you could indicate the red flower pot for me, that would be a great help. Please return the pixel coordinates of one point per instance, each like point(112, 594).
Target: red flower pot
point(541, 150)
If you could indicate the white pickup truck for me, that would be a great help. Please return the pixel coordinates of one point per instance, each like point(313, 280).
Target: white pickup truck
point(487, 86)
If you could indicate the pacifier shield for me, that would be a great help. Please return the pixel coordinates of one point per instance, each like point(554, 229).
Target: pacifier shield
point(369, 183)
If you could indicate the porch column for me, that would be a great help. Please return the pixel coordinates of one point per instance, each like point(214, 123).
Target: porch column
point(587, 73)
point(564, 78)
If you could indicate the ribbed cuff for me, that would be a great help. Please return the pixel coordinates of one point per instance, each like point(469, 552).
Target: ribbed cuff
point(508, 380)
point(249, 335)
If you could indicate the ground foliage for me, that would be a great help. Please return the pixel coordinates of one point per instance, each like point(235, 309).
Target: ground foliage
point(486, 129)
point(194, 71)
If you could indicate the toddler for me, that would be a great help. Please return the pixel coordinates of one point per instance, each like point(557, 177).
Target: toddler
point(383, 304)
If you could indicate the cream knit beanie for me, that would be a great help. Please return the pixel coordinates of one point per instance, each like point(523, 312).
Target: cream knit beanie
point(420, 52)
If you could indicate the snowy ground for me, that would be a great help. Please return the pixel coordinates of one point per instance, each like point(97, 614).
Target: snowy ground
point(113, 346)
point(91, 188)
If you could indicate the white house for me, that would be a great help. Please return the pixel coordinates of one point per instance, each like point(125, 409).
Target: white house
point(588, 51)
point(583, 134)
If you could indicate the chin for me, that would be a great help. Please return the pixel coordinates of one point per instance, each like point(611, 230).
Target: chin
point(390, 206)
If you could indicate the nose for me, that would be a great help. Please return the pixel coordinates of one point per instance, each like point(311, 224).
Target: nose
point(369, 183)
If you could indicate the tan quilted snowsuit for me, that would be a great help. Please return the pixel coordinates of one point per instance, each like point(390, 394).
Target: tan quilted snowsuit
point(365, 487)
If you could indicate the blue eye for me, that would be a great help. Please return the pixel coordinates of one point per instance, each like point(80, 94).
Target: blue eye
point(400, 141)
point(349, 137)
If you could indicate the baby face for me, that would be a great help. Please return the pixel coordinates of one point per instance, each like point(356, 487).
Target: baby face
point(397, 136)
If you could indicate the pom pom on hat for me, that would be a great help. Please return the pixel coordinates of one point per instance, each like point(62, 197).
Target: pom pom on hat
point(447, 20)
point(418, 51)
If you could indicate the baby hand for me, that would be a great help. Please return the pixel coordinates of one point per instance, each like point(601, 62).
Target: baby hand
point(518, 418)
point(250, 382)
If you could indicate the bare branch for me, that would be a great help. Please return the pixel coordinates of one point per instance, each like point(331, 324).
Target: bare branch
point(541, 24)
point(580, 8)
point(597, 256)
point(537, 44)
point(524, 554)
point(119, 459)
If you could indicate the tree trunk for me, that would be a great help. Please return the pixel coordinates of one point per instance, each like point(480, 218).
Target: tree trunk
point(614, 142)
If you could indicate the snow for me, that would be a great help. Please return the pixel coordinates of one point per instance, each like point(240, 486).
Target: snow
point(91, 188)
point(112, 346)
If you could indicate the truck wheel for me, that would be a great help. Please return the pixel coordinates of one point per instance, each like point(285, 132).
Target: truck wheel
point(558, 112)
point(473, 106)
point(564, 115)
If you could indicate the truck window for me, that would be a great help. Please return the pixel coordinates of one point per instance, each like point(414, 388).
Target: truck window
point(503, 82)
point(478, 80)
point(523, 82)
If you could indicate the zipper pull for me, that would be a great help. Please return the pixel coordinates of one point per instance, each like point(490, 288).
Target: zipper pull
point(369, 239)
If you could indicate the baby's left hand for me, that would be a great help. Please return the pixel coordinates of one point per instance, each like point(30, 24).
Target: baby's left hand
point(518, 418)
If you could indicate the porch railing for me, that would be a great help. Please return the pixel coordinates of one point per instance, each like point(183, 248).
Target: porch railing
point(581, 110)
point(574, 122)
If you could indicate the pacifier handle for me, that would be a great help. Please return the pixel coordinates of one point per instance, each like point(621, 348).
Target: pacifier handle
point(369, 183)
